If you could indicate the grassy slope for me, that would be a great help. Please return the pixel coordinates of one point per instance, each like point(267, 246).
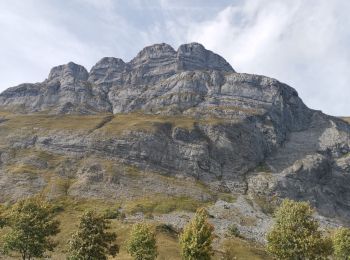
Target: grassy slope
point(41, 124)
point(167, 242)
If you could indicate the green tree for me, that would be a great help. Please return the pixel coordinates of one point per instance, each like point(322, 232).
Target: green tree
point(142, 244)
point(295, 234)
point(31, 224)
point(2, 219)
point(196, 239)
point(92, 241)
point(341, 243)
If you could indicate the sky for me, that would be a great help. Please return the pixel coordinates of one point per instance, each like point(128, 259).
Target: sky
point(304, 43)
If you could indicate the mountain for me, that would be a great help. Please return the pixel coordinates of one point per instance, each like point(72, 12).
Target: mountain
point(112, 84)
point(173, 123)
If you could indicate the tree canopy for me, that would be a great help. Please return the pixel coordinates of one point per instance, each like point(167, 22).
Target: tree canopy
point(196, 239)
point(296, 233)
point(92, 240)
point(142, 244)
point(341, 243)
point(31, 224)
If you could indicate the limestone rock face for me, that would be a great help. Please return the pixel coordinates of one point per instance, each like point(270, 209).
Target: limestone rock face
point(70, 71)
point(185, 114)
point(194, 56)
point(65, 91)
point(111, 84)
point(107, 70)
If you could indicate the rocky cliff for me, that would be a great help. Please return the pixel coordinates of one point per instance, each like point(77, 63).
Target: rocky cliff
point(180, 123)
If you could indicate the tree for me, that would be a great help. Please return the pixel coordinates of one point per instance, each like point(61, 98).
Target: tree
point(2, 219)
point(31, 224)
point(341, 243)
point(295, 234)
point(142, 244)
point(196, 239)
point(92, 241)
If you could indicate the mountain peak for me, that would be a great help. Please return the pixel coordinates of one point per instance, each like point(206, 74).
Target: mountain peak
point(156, 62)
point(106, 69)
point(155, 51)
point(71, 70)
point(195, 56)
point(110, 60)
point(191, 46)
point(154, 54)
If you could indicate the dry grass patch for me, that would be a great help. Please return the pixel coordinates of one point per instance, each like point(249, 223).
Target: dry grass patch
point(267, 205)
point(33, 161)
point(161, 204)
point(227, 197)
point(40, 122)
point(149, 123)
point(23, 168)
point(239, 249)
point(101, 123)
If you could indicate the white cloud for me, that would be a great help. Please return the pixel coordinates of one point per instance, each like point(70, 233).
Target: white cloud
point(302, 43)
point(31, 44)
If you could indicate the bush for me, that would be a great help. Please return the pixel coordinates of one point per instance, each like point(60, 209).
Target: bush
point(341, 243)
point(111, 213)
point(233, 231)
point(142, 242)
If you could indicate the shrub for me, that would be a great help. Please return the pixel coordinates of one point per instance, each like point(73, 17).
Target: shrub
point(111, 213)
point(233, 231)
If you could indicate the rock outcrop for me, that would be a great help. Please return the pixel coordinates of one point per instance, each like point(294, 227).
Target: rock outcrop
point(185, 114)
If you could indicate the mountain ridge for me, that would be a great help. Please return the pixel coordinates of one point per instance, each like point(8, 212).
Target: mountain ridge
point(145, 68)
